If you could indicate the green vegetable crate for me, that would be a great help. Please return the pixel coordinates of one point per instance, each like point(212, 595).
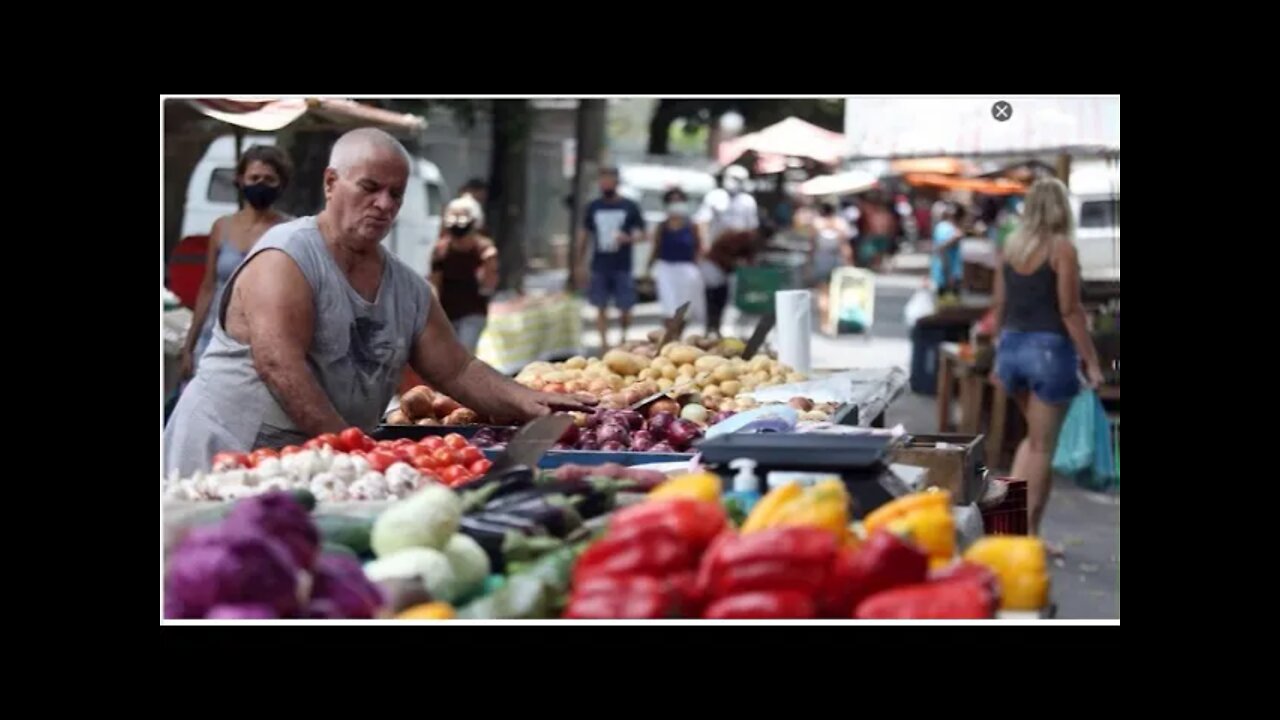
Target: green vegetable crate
point(756, 286)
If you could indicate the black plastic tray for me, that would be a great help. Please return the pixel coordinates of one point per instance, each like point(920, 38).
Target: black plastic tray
point(800, 451)
point(417, 432)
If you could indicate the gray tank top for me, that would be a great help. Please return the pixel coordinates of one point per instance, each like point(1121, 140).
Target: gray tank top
point(357, 354)
point(1031, 301)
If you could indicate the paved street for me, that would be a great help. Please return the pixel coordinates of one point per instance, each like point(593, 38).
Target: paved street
point(1086, 581)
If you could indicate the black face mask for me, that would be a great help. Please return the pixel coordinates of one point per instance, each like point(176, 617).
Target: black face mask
point(610, 194)
point(460, 230)
point(260, 196)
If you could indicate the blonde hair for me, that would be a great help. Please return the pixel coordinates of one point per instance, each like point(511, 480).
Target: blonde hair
point(1046, 217)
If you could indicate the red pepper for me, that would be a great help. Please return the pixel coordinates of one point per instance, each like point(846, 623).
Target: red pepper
point(602, 597)
point(785, 558)
point(762, 606)
point(971, 572)
point(653, 551)
point(947, 600)
point(695, 521)
point(688, 596)
point(885, 561)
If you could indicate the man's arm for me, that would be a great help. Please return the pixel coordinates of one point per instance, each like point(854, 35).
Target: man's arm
point(280, 322)
point(445, 364)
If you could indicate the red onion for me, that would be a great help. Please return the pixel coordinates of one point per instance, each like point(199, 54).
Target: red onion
point(613, 446)
point(662, 447)
point(641, 441)
point(722, 416)
point(570, 435)
point(634, 420)
point(659, 424)
point(611, 432)
point(683, 433)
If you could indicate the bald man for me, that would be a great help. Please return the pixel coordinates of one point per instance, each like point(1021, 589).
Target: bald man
point(318, 322)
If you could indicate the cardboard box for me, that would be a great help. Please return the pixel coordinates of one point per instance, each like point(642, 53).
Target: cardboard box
point(956, 463)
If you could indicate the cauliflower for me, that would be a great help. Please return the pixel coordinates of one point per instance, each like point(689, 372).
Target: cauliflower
point(470, 563)
point(429, 566)
point(426, 519)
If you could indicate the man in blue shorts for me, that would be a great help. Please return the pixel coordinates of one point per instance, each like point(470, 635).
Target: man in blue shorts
point(610, 226)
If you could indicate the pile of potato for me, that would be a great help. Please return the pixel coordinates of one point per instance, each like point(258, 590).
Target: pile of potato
point(424, 406)
point(622, 378)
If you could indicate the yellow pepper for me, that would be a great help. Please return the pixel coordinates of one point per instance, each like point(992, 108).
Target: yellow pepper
point(427, 611)
point(825, 505)
point(932, 529)
point(703, 486)
point(900, 508)
point(769, 505)
point(1019, 562)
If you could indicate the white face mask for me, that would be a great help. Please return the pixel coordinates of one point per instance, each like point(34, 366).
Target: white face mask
point(679, 209)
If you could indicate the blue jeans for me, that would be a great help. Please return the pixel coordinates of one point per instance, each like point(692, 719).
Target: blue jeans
point(1045, 363)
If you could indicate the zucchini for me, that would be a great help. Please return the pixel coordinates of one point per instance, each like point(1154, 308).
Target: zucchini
point(353, 532)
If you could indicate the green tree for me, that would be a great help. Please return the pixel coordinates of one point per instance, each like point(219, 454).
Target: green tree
point(757, 114)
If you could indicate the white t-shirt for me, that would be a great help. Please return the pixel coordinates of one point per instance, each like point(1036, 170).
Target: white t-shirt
point(727, 213)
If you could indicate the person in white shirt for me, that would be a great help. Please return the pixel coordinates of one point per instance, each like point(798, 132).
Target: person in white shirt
point(729, 218)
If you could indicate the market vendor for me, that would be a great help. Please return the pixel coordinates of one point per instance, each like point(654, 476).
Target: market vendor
point(319, 320)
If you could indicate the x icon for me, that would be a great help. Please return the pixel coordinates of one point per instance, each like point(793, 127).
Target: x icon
point(1002, 111)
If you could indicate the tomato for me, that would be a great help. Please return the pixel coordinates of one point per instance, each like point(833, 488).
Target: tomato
point(261, 454)
point(432, 442)
point(430, 477)
point(290, 450)
point(480, 467)
point(444, 457)
point(424, 462)
point(454, 475)
point(312, 444)
point(380, 460)
point(225, 460)
point(331, 440)
point(470, 454)
point(368, 443)
point(351, 439)
point(455, 441)
point(402, 455)
point(403, 443)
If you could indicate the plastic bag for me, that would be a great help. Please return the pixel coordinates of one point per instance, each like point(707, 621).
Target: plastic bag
point(920, 305)
point(1084, 449)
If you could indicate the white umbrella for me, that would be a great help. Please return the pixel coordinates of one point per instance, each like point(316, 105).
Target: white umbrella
point(845, 183)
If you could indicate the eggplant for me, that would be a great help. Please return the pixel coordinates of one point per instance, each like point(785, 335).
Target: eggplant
point(490, 530)
point(553, 512)
point(517, 477)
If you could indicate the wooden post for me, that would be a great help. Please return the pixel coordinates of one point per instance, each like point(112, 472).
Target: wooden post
point(1064, 169)
point(590, 148)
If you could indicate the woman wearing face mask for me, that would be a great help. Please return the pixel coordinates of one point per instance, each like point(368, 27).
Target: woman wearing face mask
point(464, 270)
point(674, 262)
point(262, 174)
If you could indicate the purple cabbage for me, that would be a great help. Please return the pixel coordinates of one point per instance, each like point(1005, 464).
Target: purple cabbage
point(278, 515)
point(230, 566)
point(243, 611)
point(340, 580)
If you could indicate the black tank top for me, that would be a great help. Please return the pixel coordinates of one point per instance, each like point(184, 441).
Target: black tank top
point(1031, 301)
point(459, 287)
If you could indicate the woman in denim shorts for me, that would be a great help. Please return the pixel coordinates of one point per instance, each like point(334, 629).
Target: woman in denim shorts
point(1042, 331)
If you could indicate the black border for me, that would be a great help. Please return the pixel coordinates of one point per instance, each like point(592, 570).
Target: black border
point(964, 73)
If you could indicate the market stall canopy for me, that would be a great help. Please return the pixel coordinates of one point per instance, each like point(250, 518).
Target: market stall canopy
point(272, 115)
point(845, 183)
point(933, 166)
point(996, 186)
point(919, 127)
point(792, 137)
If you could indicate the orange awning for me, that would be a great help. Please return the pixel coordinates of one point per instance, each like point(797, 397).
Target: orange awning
point(938, 166)
point(997, 186)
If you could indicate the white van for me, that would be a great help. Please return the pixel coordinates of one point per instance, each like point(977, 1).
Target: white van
point(212, 193)
point(646, 183)
point(1095, 198)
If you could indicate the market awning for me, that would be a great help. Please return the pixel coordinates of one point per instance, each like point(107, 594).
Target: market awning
point(792, 137)
point(998, 186)
point(845, 183)
point(272, 115)
point(938, 166)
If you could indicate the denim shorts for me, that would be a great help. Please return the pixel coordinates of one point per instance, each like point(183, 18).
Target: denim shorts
point(1045, 363)
point(616, 285)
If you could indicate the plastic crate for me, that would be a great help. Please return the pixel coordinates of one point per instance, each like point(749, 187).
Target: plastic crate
point(1010, 516)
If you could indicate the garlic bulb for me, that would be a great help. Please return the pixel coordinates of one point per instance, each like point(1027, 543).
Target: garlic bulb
point(362, 466)
point(344, 468)
point(370, 486)
point(328, 488)
point(402, 480)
